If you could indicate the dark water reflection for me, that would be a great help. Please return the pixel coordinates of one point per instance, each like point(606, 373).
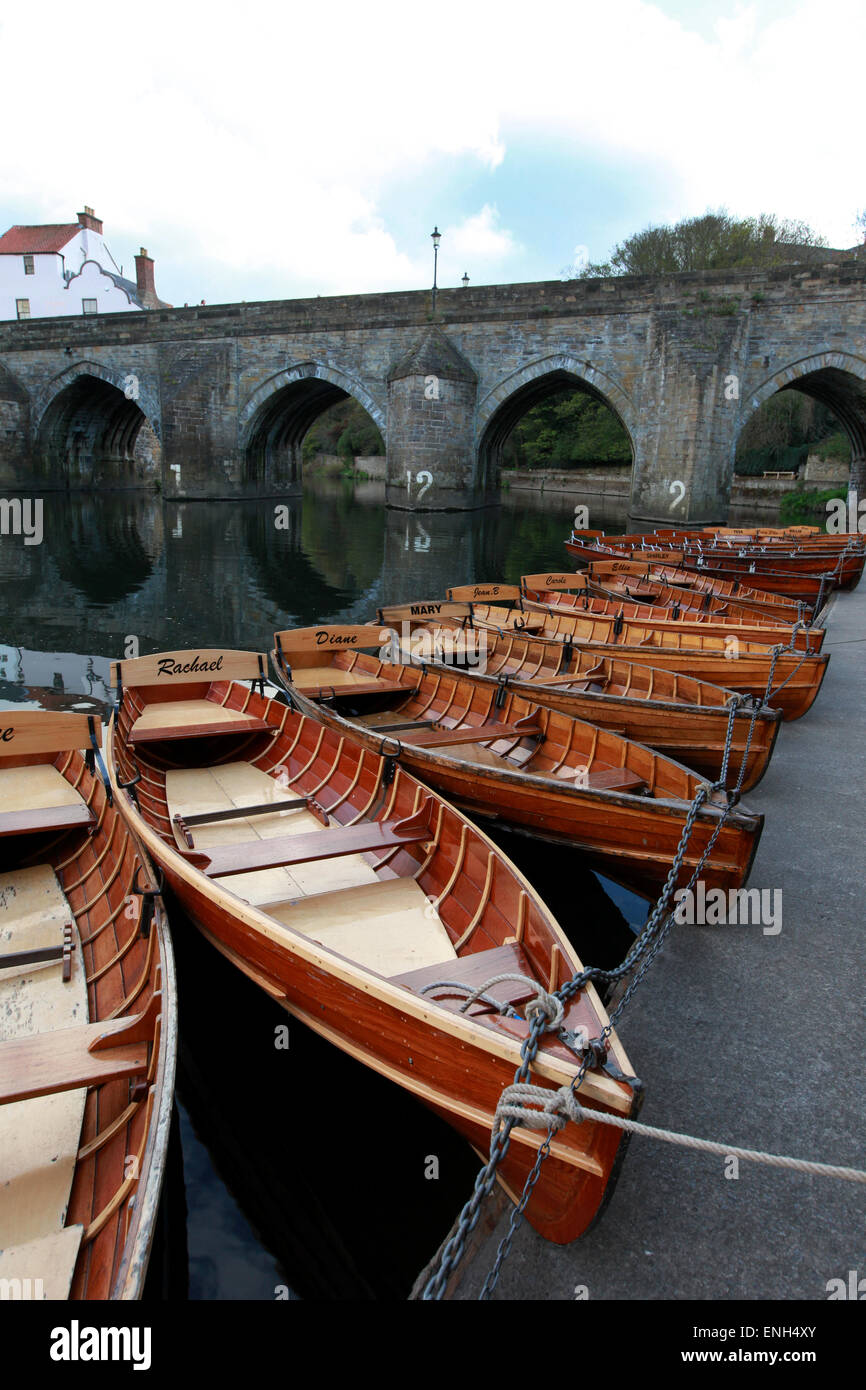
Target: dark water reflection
point(304, 1173)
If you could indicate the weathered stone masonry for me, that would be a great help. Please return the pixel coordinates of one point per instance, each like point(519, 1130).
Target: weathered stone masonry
point(215, 401)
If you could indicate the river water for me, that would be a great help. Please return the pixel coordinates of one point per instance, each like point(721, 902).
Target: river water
point(294, 1173)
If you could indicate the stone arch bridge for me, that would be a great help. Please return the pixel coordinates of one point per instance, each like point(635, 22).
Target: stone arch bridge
point(215, 401)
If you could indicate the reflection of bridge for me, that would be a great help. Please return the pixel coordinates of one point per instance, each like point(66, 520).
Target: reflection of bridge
point(168, 574)
point(215, 402)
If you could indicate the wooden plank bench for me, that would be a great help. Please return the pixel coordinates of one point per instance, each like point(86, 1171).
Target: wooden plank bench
point(580, 685)
point(183, 719)
point(39, 798)
point(476, 733)
point(68, 1058)
point(45, 818)
point(606, 779)
point(473, 970)
point(221, 861)
point(341, 690)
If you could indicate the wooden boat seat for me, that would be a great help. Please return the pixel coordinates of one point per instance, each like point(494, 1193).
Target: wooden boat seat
point(474, 733)
point(384, 721)
point(581, 687)
point(64, 1059)
point(388, 926)
point(474, 970)
point(50, 1259)
point(39, 1137)
point(182, 719)
point(480, 754)
point(315, 681)
point(40, 798)
point(239, 785)
point(602, 777)
point(322, 844)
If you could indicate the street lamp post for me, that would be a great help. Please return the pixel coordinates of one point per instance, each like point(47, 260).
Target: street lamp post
point(436, 236)
point(465, 281)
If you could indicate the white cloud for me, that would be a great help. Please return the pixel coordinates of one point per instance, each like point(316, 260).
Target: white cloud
point(480, 239)
point(251, 145)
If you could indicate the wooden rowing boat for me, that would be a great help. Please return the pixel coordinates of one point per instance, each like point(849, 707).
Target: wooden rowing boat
point(366, 905)
point(689, 602)
point(501, 756)
point(572, 593)
point(689, 582)
point(811, 589)
point(838, 566)
point(684, 718)
point(740, 666)
point(87, 1021)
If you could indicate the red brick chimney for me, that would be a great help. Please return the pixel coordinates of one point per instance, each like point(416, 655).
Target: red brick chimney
point(144, 280)
point(87, 219)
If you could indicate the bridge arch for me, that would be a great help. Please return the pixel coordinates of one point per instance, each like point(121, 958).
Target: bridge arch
point(95, 425)
point(838, 381)
point(501, 409)
point(277, 415)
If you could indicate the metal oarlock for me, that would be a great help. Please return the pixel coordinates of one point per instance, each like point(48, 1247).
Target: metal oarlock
point(148, 899)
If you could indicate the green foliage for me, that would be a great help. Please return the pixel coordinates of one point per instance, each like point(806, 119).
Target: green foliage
point(346, 430)
point(784, 431)
point(715, 241)
point(801, 506)
point(836, 447)
point(565, 430)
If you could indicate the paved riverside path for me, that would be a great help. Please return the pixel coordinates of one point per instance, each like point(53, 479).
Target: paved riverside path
point(754, 1040)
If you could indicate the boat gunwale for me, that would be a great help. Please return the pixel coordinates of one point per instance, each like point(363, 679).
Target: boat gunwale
point(350, 973)
point(711, 811)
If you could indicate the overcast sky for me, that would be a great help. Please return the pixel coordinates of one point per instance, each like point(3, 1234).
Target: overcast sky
point(263, 152)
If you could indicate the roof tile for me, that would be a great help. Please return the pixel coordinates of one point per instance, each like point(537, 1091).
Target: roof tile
point(37, 240)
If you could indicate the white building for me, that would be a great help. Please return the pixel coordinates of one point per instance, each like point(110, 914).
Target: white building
point(67, 268)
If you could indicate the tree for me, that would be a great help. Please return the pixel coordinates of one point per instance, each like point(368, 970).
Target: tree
point(715, 241)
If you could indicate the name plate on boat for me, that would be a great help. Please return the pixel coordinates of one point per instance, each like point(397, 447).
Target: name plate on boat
point(486, 593)
point(333, 638)
point(600, 568)
point(424, 612)
point(659, 556)
point(553, 580)
point(44, 731)
point(172, 668)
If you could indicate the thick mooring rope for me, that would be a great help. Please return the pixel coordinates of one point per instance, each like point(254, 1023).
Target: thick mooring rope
point(557, 1107)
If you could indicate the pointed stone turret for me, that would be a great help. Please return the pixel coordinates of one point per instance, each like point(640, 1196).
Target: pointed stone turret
point(432, 394)
point(434, 355)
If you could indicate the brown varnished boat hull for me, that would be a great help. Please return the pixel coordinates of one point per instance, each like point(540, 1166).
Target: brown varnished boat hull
point(695, 606)
point(450, 1061)
point(760, 602)
point(797, 677)
point(659, 618)
point(124, 1136)
point(568, 1201)
point(805, 588)
point(631, 845)
point(841, 556)
point(690, 734)
point(630, 837)
point(684, 718)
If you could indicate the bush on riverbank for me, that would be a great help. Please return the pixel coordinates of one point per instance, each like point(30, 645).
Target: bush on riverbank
point(803, 506)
